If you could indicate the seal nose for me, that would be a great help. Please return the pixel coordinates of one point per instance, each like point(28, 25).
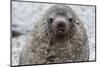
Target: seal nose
point(61, 24)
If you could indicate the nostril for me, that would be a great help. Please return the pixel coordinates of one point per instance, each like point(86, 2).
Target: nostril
point(61, 24)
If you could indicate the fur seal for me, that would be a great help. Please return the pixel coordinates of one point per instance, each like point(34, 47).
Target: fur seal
point(58, 37)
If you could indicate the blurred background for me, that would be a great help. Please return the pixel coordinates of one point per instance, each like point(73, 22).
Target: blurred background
point(26, 14)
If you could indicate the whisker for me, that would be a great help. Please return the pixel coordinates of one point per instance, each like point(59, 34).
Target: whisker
point(44, 33)
point(50, 38)
point(76, 36)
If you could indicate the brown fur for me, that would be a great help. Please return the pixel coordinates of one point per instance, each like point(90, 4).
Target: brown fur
point(45, 47)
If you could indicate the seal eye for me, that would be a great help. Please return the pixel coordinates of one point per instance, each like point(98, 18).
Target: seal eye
point(50, 20)
point(70, 19)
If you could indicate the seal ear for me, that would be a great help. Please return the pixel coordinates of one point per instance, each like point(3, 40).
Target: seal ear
point(77, 21)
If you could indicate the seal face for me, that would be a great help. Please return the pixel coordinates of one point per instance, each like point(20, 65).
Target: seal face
point(58, 37)
point(60, 23)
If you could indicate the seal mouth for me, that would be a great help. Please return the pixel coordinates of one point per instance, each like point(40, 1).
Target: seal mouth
point(61, 30)
point(60, 33)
